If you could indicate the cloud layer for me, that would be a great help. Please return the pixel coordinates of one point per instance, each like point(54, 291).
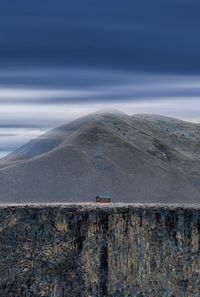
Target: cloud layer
point(136, 35)
point(62, 59)
point(27, 109)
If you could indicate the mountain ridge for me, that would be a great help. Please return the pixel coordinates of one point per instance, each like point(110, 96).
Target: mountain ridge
point(140, 158)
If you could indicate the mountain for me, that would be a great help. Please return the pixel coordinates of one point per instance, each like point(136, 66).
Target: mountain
point(139, 158)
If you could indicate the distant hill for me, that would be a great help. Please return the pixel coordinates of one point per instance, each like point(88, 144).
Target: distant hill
point(140, 158)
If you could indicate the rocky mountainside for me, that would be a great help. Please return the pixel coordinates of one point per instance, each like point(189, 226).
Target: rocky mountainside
point(140, 158)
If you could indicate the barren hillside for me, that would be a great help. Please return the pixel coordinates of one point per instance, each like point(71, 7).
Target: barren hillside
point(140, 158)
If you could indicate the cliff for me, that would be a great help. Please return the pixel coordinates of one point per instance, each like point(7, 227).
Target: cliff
point(89, 250)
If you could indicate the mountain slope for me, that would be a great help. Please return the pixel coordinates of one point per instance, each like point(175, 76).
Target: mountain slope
point(140, 158)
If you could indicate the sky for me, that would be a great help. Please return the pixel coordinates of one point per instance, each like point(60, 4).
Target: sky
point(63, 59)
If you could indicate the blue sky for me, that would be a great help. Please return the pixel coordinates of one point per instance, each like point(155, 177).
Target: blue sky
point(62, 59)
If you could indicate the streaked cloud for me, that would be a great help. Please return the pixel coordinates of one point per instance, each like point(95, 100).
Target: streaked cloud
point(69, 58)
point(17, 94)
point(60, 86)
point(50, 97)
point(139, 35)
point(3, 153)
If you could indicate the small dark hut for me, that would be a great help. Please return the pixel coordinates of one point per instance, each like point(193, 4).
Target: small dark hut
point(100, 199)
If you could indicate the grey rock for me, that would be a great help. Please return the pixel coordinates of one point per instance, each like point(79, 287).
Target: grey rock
point(102, 251)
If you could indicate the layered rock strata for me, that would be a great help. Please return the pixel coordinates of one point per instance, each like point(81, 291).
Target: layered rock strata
point(85, 250)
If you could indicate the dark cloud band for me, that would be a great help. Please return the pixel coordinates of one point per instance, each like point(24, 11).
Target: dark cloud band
point(139, 35)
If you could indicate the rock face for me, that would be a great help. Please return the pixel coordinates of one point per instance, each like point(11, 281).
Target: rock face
point(99, 251)
point(140, 158)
